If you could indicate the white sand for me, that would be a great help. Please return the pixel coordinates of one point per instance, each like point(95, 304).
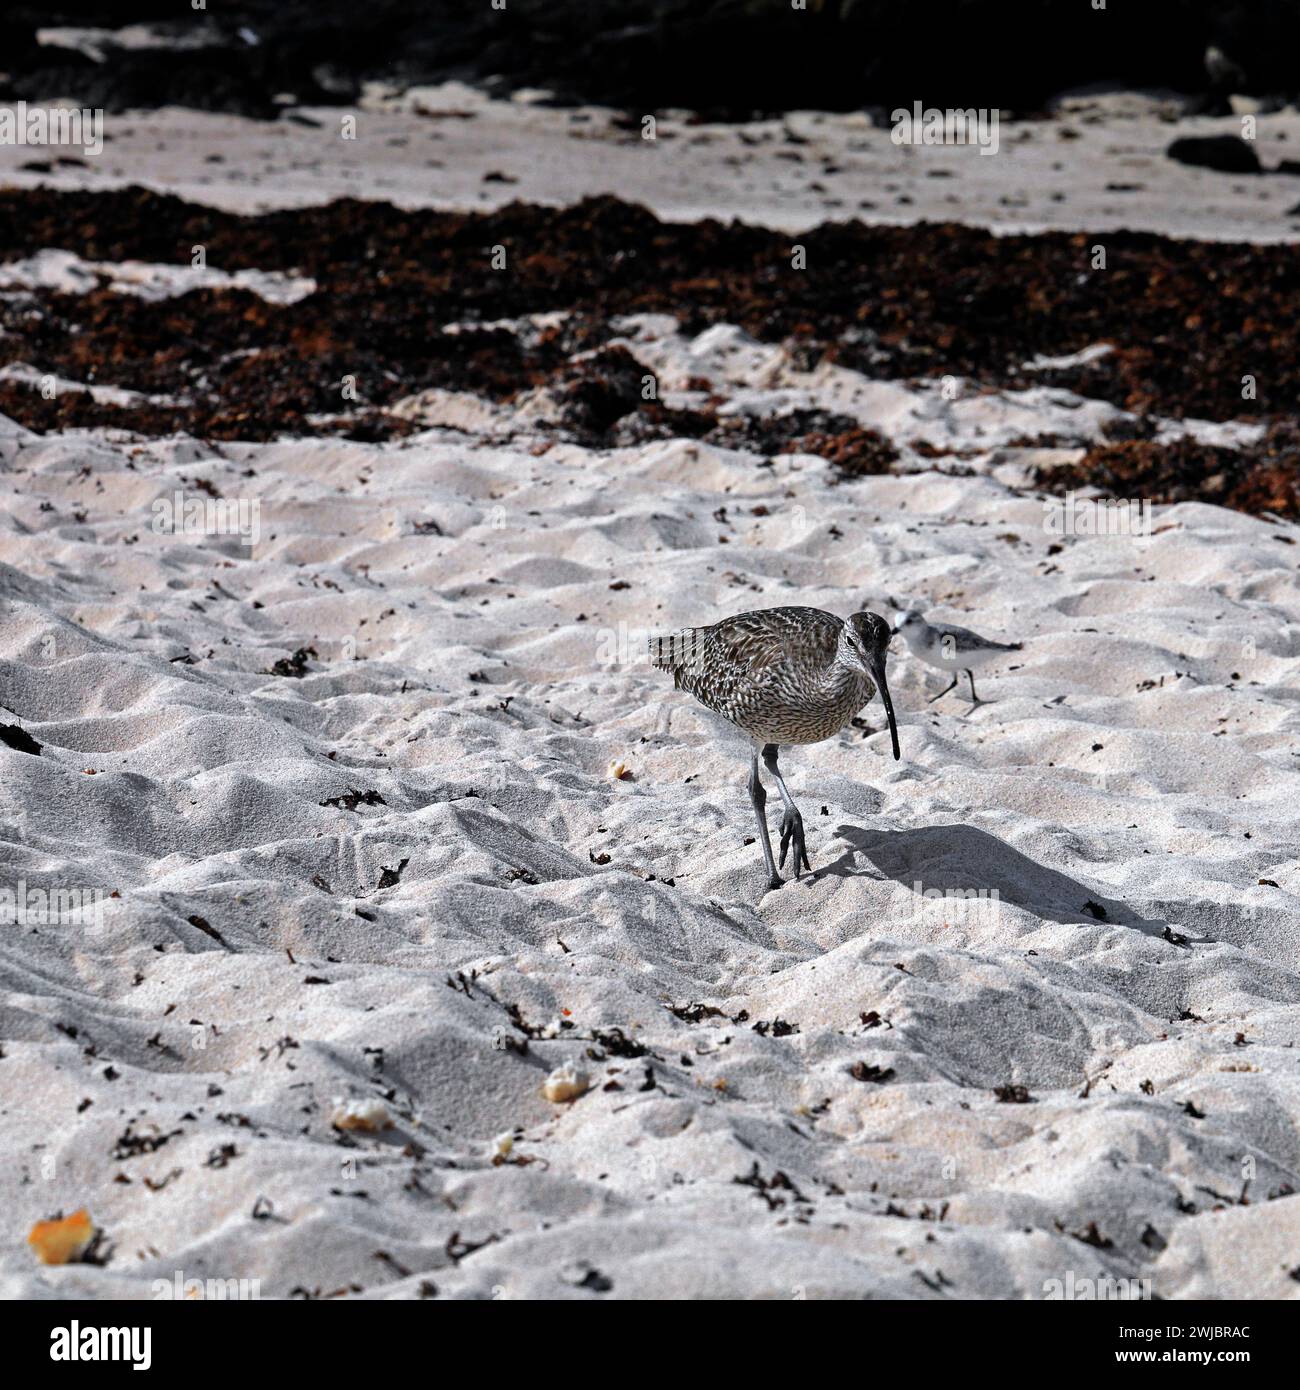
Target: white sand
point(64, 272)
point(1098, 165)
point(1139, 755)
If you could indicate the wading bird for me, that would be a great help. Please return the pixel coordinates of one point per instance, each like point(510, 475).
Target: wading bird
point(951, 649)
point(781, 676)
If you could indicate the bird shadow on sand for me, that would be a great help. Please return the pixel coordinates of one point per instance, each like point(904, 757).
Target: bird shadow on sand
point(961, 859)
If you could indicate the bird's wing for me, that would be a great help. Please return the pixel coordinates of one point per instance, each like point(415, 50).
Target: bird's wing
point(743, 653)
point(772, 636)
point(966, 640)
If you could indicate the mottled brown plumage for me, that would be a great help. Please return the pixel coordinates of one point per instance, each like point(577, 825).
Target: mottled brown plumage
point(773, 674)
point(781, 675)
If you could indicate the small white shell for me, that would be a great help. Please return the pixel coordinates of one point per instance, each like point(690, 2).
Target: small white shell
point(565, 1083)
point(368, 1116)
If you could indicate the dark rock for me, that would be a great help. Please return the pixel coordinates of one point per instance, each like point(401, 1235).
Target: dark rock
point(1229, 154)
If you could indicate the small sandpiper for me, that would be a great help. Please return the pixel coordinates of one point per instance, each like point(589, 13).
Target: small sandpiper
point(949, 648)
point(781, 675)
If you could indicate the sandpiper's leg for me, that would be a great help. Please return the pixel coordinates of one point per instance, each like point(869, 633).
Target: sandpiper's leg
point(758, 795)
point(792, 821)
point(943, 692)
point(974, 699)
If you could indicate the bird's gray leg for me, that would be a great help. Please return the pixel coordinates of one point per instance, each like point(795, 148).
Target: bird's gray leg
point(943, 692)
point(758, 795)
point(974, 699)
point(792, 821)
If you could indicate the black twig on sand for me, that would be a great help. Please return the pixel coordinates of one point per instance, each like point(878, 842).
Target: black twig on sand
point(774, 1190)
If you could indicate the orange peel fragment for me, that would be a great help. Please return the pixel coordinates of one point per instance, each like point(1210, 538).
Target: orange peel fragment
point(63, 1240)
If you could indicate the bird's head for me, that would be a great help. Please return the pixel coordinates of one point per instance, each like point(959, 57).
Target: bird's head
point(864, 643)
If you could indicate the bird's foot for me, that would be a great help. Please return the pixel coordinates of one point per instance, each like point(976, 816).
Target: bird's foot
point(792, 834)
point(775, 882)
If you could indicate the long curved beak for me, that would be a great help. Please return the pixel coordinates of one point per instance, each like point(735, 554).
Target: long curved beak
point(878, 675)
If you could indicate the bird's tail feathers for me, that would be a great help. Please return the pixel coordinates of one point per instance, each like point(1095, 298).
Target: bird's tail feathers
point(670, 651)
